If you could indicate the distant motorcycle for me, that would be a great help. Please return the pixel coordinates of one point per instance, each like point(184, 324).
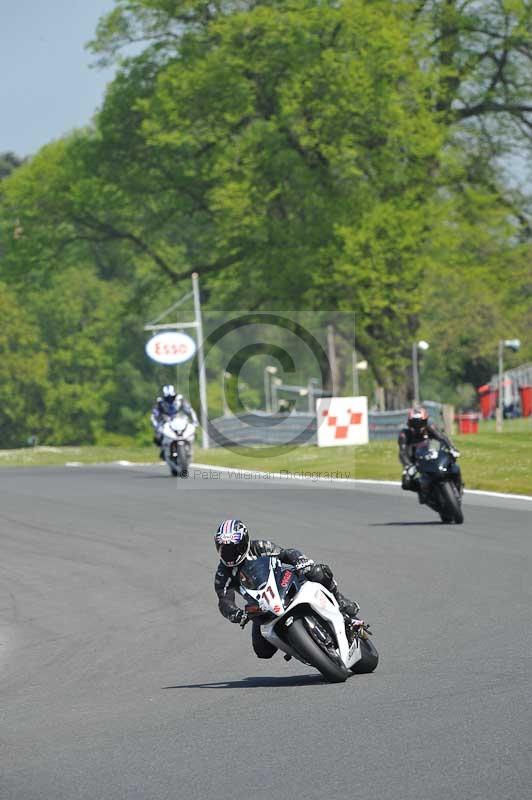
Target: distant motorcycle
point(178, 434)
point(438, 471)
point(303, 619)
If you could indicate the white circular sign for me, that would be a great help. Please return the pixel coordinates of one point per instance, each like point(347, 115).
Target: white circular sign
point(170, 347)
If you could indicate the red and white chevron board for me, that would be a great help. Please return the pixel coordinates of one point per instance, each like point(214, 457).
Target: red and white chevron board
point(342, 421)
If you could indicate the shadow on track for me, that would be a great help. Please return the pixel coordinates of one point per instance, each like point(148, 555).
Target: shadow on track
point(255, 682)
point(417, 522)
point(158, 476)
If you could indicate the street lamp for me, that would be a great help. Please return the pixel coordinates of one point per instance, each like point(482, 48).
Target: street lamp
point(311, 392)
point(356, 366)
point(304, 392)
point(274, 384)
point(512, 344)
point(268, 372)
point(421, 345)
point(225, 376)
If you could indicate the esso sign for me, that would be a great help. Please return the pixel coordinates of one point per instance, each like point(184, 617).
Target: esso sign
point(170, 348)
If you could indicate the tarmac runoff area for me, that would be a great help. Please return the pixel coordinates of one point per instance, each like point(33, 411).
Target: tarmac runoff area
point(119, 678)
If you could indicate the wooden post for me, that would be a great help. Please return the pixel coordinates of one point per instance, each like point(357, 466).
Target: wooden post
point(379, 396)
point(448, 419)
point(333, 363)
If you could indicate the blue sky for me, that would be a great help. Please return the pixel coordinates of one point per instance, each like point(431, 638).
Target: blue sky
point(47, 87)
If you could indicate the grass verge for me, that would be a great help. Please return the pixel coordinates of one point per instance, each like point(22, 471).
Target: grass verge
point(493, 462)
point(57, 456)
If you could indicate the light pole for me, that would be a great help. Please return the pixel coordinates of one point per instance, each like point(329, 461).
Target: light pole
point(274, 384)
point(225, 376)
point(512, 344)
point(356, 366)
point(156, 325)
point(421, 345)
point(204, 416)
point(268, 372)
point(312, 383)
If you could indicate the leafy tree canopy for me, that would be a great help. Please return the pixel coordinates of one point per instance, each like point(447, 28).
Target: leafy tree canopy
point(310, 155)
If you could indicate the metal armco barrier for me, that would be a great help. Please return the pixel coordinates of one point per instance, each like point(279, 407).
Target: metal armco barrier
point(261, 428)
point(284, 429)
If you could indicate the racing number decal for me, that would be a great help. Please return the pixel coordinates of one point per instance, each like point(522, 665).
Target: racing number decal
point(264, 595)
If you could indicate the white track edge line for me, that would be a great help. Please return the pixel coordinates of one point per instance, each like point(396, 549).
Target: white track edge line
point(350, 481)
point(293, 477)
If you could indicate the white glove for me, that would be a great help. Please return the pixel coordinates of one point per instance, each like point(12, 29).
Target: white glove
point(411, 470)
point(455, 453)
point(243, 619)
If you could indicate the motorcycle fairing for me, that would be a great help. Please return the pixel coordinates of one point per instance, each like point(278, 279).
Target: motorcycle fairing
point(312, 596)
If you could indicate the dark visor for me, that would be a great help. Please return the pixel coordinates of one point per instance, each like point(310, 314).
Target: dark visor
point(231, 553)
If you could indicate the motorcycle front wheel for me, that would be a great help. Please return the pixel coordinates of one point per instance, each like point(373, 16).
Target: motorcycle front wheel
point(451, 508)
point(182, 460)
point(300, 639)
point(369, 660)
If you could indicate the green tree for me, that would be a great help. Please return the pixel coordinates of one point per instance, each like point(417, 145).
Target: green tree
point(316, 152)
point(271, 136)
point(9, 162)
point(23, 373)
point(321, 156)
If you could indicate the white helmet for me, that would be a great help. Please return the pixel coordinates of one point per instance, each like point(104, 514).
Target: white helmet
point(169, 392)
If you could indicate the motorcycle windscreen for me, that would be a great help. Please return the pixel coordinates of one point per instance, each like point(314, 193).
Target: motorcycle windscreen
point(255, 574)
point(422, 448)
point(179, 423)
point(433, 459)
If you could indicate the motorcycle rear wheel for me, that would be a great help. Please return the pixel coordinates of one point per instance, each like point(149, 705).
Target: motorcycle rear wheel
point(451, 509)
point(303, 643)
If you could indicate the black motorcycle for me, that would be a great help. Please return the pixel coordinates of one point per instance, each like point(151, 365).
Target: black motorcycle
point(440, 481)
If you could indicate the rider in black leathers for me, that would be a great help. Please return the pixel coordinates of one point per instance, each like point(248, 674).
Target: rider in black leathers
point(417, 430)
point(227, 579)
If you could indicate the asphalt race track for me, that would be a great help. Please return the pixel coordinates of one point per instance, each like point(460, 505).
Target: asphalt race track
point(120, 679)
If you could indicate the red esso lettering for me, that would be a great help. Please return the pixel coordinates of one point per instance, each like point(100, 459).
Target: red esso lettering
point(158, 348)
point(179, 349)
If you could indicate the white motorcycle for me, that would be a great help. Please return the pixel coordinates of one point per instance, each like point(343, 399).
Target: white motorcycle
point(302, 618)
point(178, 436)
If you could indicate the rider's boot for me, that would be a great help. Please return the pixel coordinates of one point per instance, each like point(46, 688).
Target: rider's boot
point(354, 626)
point(349, 610)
